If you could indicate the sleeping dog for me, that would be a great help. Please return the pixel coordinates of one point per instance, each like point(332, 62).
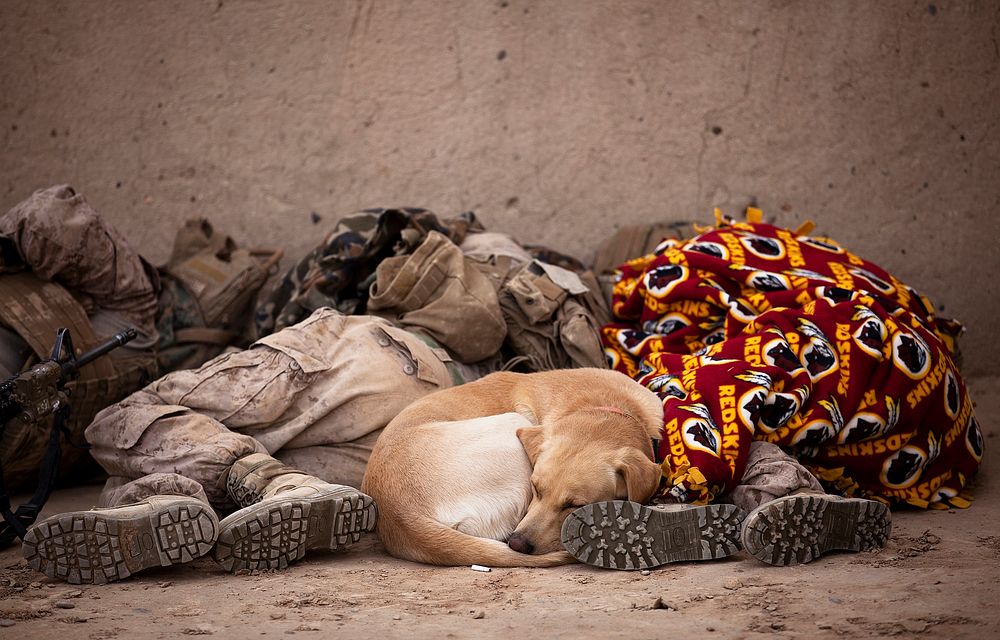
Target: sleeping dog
point(487, 472)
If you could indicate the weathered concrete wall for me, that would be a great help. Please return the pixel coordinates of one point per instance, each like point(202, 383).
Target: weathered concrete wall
point(555, 121)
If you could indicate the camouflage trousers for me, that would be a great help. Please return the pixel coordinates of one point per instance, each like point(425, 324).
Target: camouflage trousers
point(770, 473)
point(314, 395)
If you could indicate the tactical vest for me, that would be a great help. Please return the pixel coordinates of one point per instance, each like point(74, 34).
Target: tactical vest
point(34, 309)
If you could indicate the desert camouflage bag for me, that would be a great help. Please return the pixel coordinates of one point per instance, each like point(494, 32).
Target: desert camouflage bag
point(209, 285)
point(554, 317)
point(339, 272)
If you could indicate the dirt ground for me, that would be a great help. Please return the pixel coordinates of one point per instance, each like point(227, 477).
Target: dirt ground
point(938, 578)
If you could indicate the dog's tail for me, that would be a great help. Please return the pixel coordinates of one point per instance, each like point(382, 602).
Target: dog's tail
point(443, 545)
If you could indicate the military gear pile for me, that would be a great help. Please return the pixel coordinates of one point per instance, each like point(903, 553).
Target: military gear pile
point(338, 273)
point(750, 331)
point(209, 287)
point(535, 308)
point(62, 265)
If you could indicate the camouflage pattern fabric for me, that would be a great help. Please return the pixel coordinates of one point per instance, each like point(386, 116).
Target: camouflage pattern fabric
point(59, 238)
point(339, 272)
point(750, 331)
point(57, 234)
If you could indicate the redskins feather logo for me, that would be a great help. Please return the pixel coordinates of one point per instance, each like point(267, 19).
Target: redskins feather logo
point(778, 409)
point(777, 353)
point(751, 406)
point(738, 308)
point(870, 336)
point(808, 273)
point(877, 282)
point(833, 408)
point(863, 426)
point(952, 398)
point(810, 437)
point(633, 341)
point(903, 468)
point(933, 448)
point(670, 323)
point(665, 245)
point(836, 295)
point(762, 247)
point(663, 279)
point(612, 358)
point(714, 249)
point(911, 355)
point(768, 281)
point(943, 494)
point(974, 438)
point(701, 435)
point(819, 358)
point(666, 385)
point(822, 243)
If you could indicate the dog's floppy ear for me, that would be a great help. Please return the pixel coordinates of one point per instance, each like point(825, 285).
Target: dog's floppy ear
point(641, 475)
point(531, 439)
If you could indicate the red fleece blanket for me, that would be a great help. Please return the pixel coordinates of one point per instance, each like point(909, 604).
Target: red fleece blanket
point(752, 331)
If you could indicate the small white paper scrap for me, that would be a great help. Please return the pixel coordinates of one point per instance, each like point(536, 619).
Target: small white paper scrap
point(479, 567)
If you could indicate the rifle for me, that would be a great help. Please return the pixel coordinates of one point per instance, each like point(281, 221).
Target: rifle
point(33, 395)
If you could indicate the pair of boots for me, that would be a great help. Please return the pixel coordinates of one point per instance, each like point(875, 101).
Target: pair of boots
point(284, 514)
point(792, 529)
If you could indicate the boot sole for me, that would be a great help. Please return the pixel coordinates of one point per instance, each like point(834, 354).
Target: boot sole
point(96, 547)
point(626, 535)
point(276, 532)
point(799, 529)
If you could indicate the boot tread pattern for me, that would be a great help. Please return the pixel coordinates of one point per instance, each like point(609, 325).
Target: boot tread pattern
point(274, 533)
point(799, 529)
point(96, 547)
point(626, 535)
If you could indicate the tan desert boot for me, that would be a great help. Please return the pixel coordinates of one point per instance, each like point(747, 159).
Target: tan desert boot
point(286, 513)
point(798, 528)
point(619, 534)
point(104, 545)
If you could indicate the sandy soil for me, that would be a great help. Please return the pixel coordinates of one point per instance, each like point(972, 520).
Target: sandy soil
point(938, 578)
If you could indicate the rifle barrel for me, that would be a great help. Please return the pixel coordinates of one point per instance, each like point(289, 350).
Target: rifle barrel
point(119, 339)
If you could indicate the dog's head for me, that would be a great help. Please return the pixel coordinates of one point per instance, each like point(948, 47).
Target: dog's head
point(587, 456)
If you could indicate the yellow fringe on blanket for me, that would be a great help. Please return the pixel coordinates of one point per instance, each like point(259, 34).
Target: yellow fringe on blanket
point(805, 228)
point(691, 477)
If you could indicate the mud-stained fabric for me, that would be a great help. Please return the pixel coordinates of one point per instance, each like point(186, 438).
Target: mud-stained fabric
point(770, 473)
point(119, 491)
point(553, 317)
point(339, 271)
point(60, 237)
point(329, 382)
point(437, 291)
point(750, 331)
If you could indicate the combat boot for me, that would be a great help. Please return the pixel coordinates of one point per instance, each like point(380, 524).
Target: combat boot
point(627, 535)
point(104, 545)
point(798, 528)
point(286, 513)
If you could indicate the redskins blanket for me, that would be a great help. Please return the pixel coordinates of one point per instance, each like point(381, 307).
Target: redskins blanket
point(753, 331)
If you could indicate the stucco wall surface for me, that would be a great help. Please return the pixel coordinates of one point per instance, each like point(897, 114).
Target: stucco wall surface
point(556, 121)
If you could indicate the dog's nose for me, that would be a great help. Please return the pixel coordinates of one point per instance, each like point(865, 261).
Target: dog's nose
point(520, 543)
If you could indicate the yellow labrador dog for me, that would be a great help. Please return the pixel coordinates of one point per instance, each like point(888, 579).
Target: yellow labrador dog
point(487, 472)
